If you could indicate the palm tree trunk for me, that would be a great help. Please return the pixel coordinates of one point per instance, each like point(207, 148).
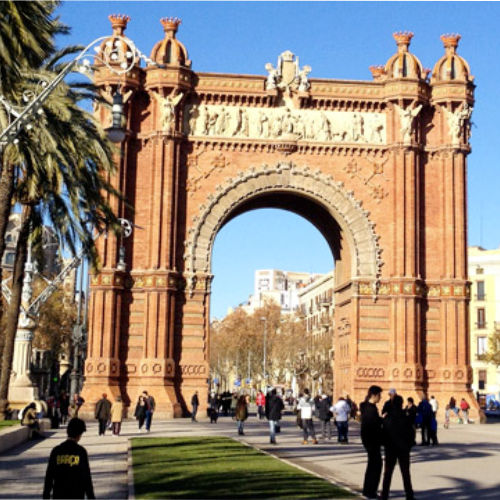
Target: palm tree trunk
point(6, 192)
point(12, 312)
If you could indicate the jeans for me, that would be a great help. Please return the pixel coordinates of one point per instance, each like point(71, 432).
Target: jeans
point(261, 412)
point(326, 424)
point(102, 426)
point(342, 428)
point(308, 428)
point(116, 428)
point(149, 416)
point(391, 457)
point(240, 426)
point(373, 470)
point(272, 430)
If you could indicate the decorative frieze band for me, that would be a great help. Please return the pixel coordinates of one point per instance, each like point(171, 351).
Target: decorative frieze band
point(415, 289)
point(137, 281)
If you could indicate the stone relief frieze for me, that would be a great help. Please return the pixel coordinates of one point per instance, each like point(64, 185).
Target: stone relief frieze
point(284, 122)
point(375, 173)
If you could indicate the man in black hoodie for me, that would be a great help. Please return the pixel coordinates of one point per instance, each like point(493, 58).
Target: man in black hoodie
point(399, 437)
point(371, 437)
point(68, 472)
point(274, 407)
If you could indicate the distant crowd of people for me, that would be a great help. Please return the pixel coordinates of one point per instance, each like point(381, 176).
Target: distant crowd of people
point(393, 429)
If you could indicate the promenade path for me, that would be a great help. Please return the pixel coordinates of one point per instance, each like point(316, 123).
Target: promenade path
point(464, 466)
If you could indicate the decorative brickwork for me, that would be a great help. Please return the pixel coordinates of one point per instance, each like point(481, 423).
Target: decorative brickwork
point(379, 167)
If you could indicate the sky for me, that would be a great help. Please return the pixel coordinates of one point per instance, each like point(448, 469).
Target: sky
point(339, 40)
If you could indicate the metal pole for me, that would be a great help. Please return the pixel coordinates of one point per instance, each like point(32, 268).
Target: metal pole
point(264, 360)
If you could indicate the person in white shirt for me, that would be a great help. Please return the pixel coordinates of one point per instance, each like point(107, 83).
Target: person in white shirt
point(434, 405)
point(341, 411)
point(306, 406)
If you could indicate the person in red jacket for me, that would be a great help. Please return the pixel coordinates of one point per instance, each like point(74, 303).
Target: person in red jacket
point(464, 406)
point(261, 404)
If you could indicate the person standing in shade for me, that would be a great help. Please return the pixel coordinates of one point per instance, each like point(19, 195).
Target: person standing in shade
point(241, 413)
point(150, 408)
point(371, 437)
point(386, 409)
point(274, 407)
point(399, 437)
point(325, 415)
point(213, 407)
point(117, 415)
point(140, 411)
point(195, 402)
point(68, 472)
point(261, 404)
point(64, 407)
point(306, 407)
point(424, 410)
point(102, 413)
point(341, 410)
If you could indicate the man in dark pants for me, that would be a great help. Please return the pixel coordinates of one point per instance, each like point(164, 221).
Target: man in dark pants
point(371, 431)
point(399, 437)
point(424, 409)
point(195, 402)
point(103, 413)
point(68, 472)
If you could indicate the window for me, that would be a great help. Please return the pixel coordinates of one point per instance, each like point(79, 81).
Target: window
point(482, 345)
point(481, 317)
point(482, 379)
point(480, 290)
point(9, 258)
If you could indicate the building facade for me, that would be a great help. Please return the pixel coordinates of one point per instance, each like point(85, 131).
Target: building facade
point(317, 306)
point(280, 287)
point(352, 157)
point(484, 274)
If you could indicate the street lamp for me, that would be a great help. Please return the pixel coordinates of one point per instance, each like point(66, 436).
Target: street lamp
point(121, 49)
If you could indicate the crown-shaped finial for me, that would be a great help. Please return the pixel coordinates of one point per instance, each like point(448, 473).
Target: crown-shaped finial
point(377, 72)
point(118, 23)
point(450, 41)
point(170, 24)
point(403, 39)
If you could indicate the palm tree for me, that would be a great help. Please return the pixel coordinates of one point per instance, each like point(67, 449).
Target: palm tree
point(27, 31)
point(60, 172)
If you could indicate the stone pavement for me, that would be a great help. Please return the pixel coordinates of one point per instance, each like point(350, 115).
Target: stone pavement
point(464, 466)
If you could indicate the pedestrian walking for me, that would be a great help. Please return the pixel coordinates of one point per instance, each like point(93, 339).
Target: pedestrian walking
point(103, 413)
point(261, 404)
point(424, 416)
point(398, 437)
point(76, 404)
point(117, 416)
point(341, 411)
point(371, 431)
point(274, 407)
point(325, 415)
point(454, 408)
point(64, 407)
point(140, 411)
point(386, 409)
point(464, 406)
point(241, 413)
point(30, 420)
point(68, 471)
point(306, 407)
point(195, 402)
point(213, 407)
point(150, 409)
point(434, 405)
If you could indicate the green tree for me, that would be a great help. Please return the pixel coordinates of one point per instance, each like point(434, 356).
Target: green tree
point(61, 170)
point(27, 31)
point(493, 354)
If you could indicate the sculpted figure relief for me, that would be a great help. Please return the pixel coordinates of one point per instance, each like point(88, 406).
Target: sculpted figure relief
point(406, 119)
point(457, 121)
point(167, 109)
point(273, 123)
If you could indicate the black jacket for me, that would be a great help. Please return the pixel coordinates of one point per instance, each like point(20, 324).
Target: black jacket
point(324, 412)
point(194, 400)
point(274, 407)
point(68, 472)
point(103, 409)
point(371, 424)
point(399, 435)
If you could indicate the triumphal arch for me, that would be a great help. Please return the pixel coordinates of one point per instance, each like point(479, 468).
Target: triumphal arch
point(378, 166)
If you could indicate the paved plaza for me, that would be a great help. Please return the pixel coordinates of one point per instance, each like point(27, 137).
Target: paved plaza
point(464, 466)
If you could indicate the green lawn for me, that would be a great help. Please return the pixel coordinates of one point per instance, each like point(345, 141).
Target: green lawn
point(8, 423)
point(216, 467)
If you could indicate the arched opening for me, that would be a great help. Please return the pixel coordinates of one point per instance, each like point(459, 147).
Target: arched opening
point(274, 264)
